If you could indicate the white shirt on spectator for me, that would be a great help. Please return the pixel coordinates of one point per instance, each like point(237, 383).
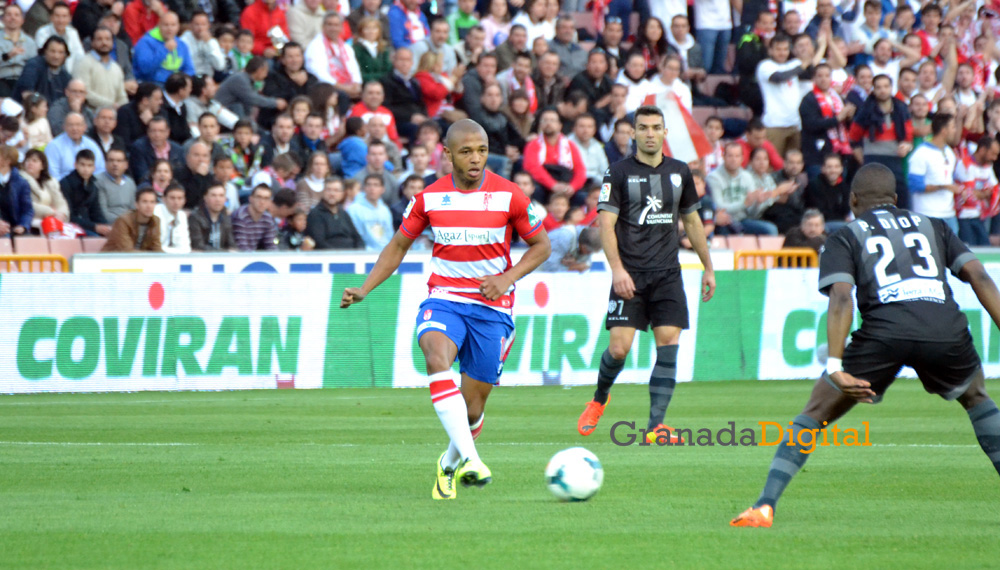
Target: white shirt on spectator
point(72, 38)
point(982, 178)
point(534, 31)
point(781, 100)
point(890, 69)
point(318, 62)
point(665, 10)
point(937, 166)
point(656, 86)
point(593, 156)
point(636, 91)
point(711, 15)
point(174, 233)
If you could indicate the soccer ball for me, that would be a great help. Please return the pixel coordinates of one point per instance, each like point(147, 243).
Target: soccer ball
point(574, 474)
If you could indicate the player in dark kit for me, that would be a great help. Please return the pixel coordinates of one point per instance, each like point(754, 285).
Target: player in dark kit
point(898, 261)
point(640, 202)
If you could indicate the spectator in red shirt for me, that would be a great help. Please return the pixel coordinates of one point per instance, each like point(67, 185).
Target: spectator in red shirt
point(756, 137)
point(260, 18)
point(555, 162)
point(372, 97)
point(140, 16)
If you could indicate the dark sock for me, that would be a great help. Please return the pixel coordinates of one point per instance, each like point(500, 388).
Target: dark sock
point(661, 383)
point(610, 367)
point(985, 419)
point(787, 461)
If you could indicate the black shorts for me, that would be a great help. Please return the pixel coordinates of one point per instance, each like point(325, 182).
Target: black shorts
point(658, 301)
point(944, 368)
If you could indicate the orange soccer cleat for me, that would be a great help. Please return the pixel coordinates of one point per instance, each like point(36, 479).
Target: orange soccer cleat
point(662, 431)
point(590, 416)
point(762, 516)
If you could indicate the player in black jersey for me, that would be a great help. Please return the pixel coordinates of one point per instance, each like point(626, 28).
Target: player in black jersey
point(898, 260)
point(641, 200)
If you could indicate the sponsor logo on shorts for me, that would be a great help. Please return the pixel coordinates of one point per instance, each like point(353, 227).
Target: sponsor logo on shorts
point(427, 315)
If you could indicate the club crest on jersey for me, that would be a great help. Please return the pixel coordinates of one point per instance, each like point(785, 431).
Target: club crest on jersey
point(675, 179)
point(605, 192)
point(406, 213)
point(427, 314)
point(446, 201)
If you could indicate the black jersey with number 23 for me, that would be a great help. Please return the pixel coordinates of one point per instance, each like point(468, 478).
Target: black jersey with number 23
point(898, 260)
point(648, 201)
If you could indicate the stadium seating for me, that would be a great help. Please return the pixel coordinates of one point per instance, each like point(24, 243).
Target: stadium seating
point(93, 244)
point(65, 247)
point(41, 263)
point(770, 259)
point(31, 245)
point(6, 246)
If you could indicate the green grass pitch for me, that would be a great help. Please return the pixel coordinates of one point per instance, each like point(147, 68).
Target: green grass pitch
point(342, 479)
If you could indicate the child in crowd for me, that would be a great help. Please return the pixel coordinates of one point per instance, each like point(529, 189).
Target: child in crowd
point(714, 132)
point(293, 237)
point(558, 209)
point(240, 55)
point(353, 150)
point(36, 124)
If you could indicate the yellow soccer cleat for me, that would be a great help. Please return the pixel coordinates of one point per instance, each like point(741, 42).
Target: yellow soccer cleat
point(590, 416)
point(444, 486)
point(663, 431)
point(762, 516)
point(473, 472)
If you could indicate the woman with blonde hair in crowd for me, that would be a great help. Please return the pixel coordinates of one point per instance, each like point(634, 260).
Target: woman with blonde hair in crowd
point(309, 190)
point(46, 197)
point(437, 87)
point(371, 50)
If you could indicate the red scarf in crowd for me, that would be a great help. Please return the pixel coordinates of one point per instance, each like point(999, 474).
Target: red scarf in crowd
point(830, 105)
point(337, 60)
point(529, 88)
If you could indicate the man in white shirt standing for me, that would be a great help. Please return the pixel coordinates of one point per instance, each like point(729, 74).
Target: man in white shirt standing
point(591, 149)
point(174, 234)
point(331, 60)
point(778, 78)
point(931, 177)
point(884, 64)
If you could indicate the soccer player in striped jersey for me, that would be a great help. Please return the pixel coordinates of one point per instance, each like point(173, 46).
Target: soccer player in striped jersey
point(467, 315)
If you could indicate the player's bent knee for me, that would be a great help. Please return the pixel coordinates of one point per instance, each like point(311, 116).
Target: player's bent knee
point(975, 395)
point(618, 352)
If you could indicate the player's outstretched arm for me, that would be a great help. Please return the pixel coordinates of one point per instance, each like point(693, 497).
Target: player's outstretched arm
point(982, 284)
point(388, 262)
point(494, 286)
point(621, 281)
point(839, 318)
point(696, 235)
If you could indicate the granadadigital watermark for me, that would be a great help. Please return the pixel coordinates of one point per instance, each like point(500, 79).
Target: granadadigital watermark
point(625, 434)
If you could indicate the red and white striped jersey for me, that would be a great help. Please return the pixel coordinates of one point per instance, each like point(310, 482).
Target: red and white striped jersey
point(472, 231)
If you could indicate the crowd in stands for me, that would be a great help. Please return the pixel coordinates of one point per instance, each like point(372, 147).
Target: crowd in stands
point(244, 125)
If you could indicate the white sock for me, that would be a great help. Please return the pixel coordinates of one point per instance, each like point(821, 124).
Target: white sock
point(451, 410)
point(451, 457)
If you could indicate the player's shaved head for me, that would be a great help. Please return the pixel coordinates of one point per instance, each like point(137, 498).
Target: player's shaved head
point(461, 129)
point(873, 185)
